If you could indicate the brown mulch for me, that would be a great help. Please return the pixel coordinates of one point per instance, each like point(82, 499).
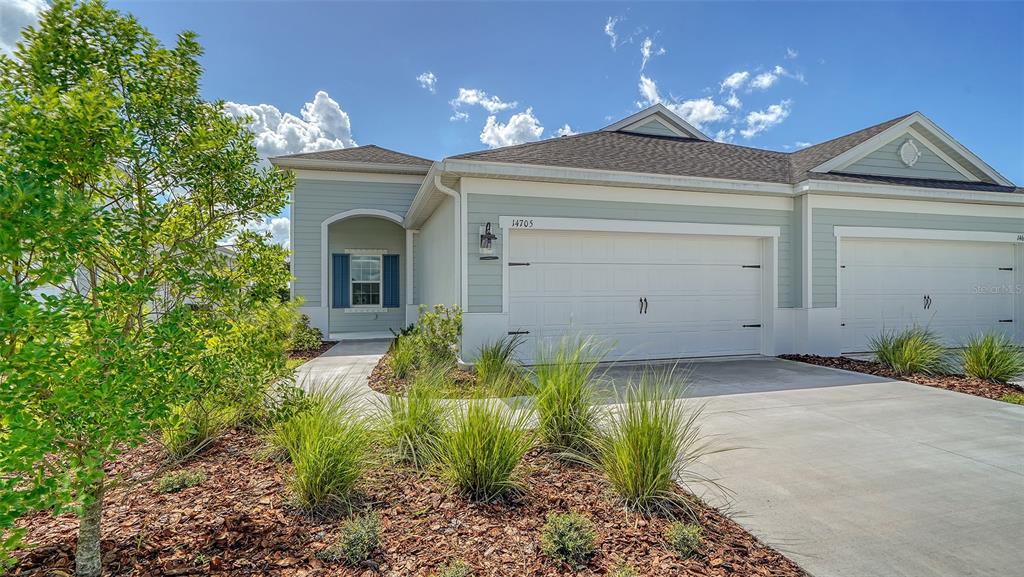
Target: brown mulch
point(312, 353)
point(383, 380)
point(239, 522)
point(958, 383)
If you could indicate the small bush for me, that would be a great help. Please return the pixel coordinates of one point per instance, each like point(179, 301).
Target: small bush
point(1015, 398)
point(437, 336)
point(454, 569)
point(360, 537)
point(479, 453)
point(304, 337)
point(914, 350)
point(193, 426)
point(174, 482)
point(625, 570)
point(684, 538)
point(328, 445)
point(569, 538)
point(403, 356)
point(566, 390)
point(649, 443)
point(415, 422)
point(993, 357)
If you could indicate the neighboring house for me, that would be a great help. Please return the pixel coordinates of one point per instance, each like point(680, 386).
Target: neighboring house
point(666, 244)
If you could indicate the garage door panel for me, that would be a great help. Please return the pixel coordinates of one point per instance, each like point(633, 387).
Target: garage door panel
point(884, 282)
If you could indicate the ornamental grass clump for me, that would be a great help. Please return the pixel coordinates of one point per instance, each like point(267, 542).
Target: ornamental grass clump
point(413, 423)
point(192, 427)
point(992, 357)
point(403, 355)
point(360, 537)
point(568, 538)
point(478, 455)
point(497, 369)
point(684, 538)
point(566, 390)
point(914, 350)
point(650, 442)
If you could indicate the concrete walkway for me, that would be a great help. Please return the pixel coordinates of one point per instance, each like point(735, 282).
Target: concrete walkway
point(345, 367)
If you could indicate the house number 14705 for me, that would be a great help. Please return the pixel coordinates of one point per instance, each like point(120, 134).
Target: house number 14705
point(522, 223)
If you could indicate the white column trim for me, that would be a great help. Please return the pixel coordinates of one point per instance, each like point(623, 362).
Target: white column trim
point(807, 247)
point(409, 283)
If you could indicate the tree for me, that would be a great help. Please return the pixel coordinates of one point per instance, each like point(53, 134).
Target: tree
point(117, 182)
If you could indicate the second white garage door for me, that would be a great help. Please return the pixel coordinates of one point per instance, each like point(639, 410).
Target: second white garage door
point(955, 288)
point(646, 296)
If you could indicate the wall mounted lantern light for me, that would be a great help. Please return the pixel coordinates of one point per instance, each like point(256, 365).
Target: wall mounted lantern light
point(487, 239)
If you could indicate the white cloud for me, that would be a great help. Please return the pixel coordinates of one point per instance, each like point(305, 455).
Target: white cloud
point(725, 135)
point(734, 101)
point(734, 81)
point(647, 51)
point(15, 15)
point(521, 127)
point(698, 112)
point(428, 81)
point(791, 54)
point(802, 144)
point(798, 76)
point(760, 120)
point(277, 227)
point(565, 130)
point(609, 31)
point(476, 97)
point(323, 125)
point(764, 80)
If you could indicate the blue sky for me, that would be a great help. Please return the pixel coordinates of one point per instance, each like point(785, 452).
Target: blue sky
point(813, 71)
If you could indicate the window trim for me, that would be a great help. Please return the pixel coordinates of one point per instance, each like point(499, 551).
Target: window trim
point(379, 256)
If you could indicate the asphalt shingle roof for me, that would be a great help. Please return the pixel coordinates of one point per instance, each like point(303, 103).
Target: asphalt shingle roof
point(367, 153)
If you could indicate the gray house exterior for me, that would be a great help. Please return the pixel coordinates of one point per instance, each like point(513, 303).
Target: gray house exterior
point(665, 244)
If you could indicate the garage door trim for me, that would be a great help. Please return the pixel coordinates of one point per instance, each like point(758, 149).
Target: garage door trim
point(769, 236)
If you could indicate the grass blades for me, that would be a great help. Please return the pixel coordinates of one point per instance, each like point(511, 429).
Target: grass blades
point(650, 442)
point(481, 451)
point(567, 417)
point(993, 357)
point(193, 426)
point(413, 423)
point(497, 368)
point(914, 350)
point(403, 355)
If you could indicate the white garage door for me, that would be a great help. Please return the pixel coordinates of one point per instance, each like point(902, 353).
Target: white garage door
point(954, 288)
point(646, 296)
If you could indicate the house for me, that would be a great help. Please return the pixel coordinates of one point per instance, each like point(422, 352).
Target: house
point(664, 243)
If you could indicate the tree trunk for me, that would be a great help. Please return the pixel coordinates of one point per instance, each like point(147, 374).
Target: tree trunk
point(88, 561)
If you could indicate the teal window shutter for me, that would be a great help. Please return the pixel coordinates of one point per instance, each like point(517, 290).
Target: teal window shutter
point(340, 289)
point(392, 287)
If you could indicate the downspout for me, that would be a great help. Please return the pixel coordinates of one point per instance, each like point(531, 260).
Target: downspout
point(461, 241)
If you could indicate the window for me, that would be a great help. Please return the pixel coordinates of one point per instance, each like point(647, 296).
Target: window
point(366, 280)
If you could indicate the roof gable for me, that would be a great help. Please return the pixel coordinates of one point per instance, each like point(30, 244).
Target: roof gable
point(899, 147)
point(369, 153)
point(657, 120)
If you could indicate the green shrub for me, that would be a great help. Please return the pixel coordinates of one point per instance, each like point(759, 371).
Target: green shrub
point(328, 444)
point(304, 337)
point(993, 357)
point(414, 422)
point(566, 391)
point(174, 482)
point(193, 426)
point(360, 537)
point(684, 538)
point(479, 453)
point(454, 569)
point(624, 570)
point(914, 350)
point(403, 355)
point(437, 336)
point(1015, 398)
point(497, 369)
point(569, 538)
point(649, 443)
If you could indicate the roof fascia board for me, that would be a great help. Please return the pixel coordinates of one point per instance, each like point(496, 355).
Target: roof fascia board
point(318, 164)
point(412, 216)
point(590, 176)
point(674, 120)
point(877, 141)
point(927, 144)
point(842, 188)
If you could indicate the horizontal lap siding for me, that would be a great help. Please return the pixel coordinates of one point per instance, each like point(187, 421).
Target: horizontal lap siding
point(485, 276)
point(824, 221)
point(313, 201)
point(886, 162)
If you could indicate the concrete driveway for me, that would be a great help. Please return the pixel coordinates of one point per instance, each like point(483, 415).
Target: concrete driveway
point(850, 475)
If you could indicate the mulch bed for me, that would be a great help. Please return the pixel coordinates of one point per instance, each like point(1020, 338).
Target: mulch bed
point(383, 380)
point(239, 522)
point(312, 353)
point(958, 383)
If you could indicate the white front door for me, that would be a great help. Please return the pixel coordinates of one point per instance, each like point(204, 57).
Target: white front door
point(955, 288)
point(646, 296)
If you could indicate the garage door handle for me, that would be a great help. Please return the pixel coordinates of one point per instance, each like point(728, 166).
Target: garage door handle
point(645, 305)
point(519, 332)
point(751, 326)
point(1006, 320)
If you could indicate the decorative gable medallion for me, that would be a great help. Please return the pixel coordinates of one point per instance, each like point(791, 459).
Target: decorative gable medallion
point(909, 153)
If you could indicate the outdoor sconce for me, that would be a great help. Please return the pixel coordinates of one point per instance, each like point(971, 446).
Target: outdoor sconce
point(487, 239)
